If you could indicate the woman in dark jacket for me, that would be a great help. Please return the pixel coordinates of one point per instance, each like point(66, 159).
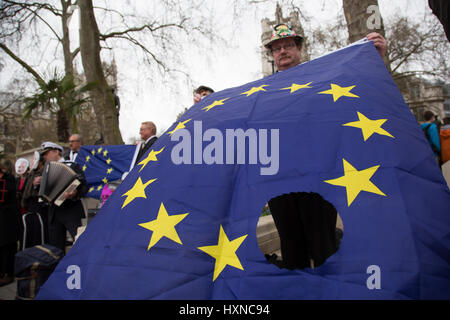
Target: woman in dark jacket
point(9, 225)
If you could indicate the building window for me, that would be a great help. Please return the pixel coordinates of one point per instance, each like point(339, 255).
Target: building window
point(418, 113)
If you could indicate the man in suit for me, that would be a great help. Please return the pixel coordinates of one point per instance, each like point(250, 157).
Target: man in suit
point(66, 217)
point(148, 136)
point(75, 143)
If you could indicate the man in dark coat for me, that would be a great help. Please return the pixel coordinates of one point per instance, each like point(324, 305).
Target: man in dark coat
point(9, 225)
point(148, 135)
point(306, 222)
point(66, 217)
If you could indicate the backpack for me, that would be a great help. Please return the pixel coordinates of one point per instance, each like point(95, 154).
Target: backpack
point(32, 267)
point(444, 136)
point(425, 131)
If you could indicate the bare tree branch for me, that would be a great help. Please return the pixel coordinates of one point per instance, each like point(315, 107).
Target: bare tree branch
point(27, 67)
point(141, 28)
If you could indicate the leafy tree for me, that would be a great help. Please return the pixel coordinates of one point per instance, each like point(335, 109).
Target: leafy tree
point(62, 97)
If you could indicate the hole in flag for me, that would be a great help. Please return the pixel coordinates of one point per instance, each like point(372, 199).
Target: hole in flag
point(299, 230)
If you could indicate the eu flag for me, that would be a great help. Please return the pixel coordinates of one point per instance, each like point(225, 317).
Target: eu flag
point(182, 225)
point(102, 164)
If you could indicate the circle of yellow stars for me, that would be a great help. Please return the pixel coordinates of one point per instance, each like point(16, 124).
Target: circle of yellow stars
point(99, 152)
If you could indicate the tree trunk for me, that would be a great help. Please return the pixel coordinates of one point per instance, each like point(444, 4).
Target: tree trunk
point(62, 125)
point(102, 98)
point(68, 66)
point(363, 17)
point(65, 17)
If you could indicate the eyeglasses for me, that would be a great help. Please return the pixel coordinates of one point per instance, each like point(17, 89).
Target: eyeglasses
point(285, 47)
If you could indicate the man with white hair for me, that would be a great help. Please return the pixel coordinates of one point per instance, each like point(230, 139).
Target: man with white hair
point(148, 136)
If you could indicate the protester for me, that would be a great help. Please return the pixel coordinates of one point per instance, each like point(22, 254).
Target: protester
point(431, 131)
point(75, 143)
point(201, 92)
point(444, 136)
point(34, 229)
point(148, 136)
point(22, 172)
point(66, 217)
point(108, 190)
point(306, 223)
point(9, 225)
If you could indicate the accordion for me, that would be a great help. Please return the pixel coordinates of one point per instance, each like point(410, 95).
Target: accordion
point(57, 179)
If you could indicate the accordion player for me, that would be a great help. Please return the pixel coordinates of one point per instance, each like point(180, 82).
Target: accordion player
point(57, 180)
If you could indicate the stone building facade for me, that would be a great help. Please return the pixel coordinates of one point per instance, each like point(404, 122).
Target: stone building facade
point(422, 95)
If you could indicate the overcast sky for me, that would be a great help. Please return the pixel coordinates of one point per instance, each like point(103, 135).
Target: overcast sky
point(144, 95)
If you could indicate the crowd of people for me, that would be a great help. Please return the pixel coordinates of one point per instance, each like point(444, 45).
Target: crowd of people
point(438, 135)
point(27, 220)
point(309, 213)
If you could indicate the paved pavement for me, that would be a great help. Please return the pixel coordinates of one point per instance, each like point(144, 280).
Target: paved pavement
point(8, 292)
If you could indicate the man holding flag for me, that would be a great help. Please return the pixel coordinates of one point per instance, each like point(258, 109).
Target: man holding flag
point(306, 223)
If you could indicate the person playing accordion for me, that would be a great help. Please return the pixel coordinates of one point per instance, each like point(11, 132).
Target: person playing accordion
point(66, 214)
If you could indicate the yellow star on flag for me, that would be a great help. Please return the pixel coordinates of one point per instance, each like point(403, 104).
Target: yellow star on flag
point(100, 187)
point(137, 191)
point(84, 167)
point(255, 89)
point(338, 91)
point(180, 125)
point(88, 158)
point(109, 170)
point(294, 87)
point(105, 153)
point(163, 226)
point(91, 189)
point(105, 181)
point(224, 253)
point(108, 161)
point(99, 150)
point(151, 157)
point(93, 152)
point(214, 104)
point(368, 126)
point(356, 181)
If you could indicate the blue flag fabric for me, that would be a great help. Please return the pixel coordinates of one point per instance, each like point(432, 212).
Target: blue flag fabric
point(182, 225)
point(103, 164)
